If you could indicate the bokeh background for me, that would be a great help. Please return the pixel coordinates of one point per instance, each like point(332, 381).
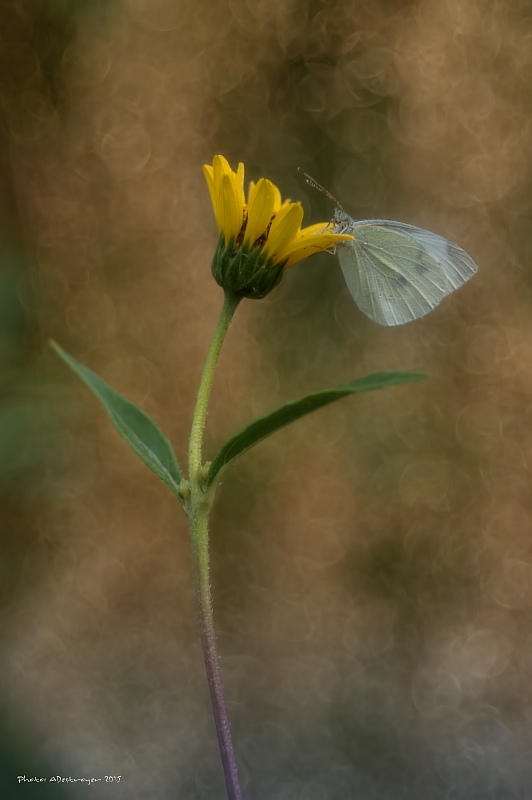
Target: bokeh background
point(372, 564)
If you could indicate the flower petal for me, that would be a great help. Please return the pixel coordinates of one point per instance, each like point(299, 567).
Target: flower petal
point(231, 210)
point(319, 227)
point(220, 166)
point(260, 210)
point(305, 246)
point(239, 184)
point(284, 229)
point(209, 177)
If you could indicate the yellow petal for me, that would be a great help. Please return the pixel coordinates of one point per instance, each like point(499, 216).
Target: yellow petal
point(231, 210)
point(220, 167)
point(251, 191)
point(309, 245)
point(326, 236)
point(284, 229)
point(260, 210)
point(209, 177)
point(239, 182)
point(319, 227)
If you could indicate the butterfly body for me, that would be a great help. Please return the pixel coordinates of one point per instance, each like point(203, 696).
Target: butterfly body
point(396, 272)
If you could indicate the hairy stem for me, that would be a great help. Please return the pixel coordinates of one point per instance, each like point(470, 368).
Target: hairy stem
point(198, 521)
point(200, 412)
point(210, 653)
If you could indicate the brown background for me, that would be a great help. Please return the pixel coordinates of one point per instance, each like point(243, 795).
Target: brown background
point(372, 565)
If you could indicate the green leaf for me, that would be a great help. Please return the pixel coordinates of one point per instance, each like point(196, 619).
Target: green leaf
point(132, 423)
point(290, 412)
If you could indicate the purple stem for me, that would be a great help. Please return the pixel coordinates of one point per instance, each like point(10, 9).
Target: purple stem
point(210, 653)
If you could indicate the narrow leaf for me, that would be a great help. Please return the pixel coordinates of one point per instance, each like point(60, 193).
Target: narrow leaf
point(290, 412)
point(132, 423)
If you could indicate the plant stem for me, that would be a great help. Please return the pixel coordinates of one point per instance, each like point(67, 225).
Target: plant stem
point(200, 412)
point(198, 520)
point(210, 653)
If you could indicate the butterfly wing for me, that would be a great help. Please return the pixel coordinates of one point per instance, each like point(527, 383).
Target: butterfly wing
point(397, 273)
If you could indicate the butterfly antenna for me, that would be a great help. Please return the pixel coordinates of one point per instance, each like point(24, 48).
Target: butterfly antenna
point(318, 186)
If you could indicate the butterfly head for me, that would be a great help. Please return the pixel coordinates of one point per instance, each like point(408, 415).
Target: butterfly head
point(341, 221)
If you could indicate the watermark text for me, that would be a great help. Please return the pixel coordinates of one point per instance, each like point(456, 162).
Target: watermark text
point(68, 779)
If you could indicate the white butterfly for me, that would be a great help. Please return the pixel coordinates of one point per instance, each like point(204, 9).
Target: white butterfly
point(395, 272)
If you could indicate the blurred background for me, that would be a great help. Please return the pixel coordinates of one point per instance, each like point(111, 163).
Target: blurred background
point(372, 564)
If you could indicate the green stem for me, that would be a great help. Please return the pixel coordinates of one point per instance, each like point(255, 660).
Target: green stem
point(198, 520)
point(231, 301)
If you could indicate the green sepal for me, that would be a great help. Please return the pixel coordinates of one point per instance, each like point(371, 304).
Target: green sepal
point(132, 423)
point(243, 272)
point(290, 412)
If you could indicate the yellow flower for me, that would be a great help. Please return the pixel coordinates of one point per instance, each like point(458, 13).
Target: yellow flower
point(264, 230)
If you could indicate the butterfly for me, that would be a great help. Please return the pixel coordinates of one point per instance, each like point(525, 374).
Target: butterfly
point(396, 273)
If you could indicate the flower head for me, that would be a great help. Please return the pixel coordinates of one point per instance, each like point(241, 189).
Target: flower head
point(260, 238)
